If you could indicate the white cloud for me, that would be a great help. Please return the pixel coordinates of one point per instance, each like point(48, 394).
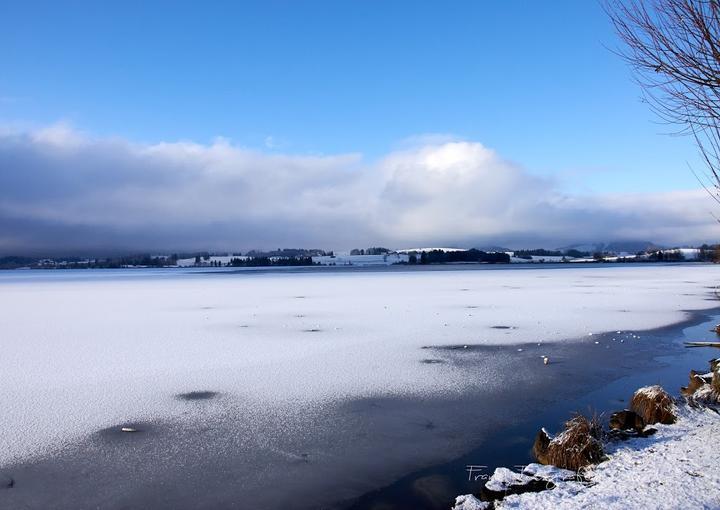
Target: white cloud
point(61, 189)
point(60, 135)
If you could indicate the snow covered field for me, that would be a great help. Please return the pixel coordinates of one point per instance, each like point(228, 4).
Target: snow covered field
point(83, 351)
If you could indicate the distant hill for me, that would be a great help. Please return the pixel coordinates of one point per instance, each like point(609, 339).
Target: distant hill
point(614, 247)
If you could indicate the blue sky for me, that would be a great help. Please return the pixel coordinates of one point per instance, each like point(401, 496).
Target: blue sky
point(532, 80)
point(414, 115)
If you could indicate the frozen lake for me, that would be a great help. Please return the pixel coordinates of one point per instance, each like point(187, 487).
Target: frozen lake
point(319, 385)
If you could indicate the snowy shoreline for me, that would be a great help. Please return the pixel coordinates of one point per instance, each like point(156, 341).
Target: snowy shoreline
point(678, 467)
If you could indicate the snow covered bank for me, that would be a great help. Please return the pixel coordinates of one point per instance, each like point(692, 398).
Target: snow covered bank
point(83, 353)
point(678, 467)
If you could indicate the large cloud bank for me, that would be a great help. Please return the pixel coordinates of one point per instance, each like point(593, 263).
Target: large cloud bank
point(63, 191)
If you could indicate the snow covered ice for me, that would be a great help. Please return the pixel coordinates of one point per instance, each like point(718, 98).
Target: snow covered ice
point(82, 351)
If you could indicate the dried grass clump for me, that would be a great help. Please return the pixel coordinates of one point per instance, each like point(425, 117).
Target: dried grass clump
point(705, 396)
point(704, 388)
point(715, 369)
point(654, 405)
point(696, 382)
point(578, 446)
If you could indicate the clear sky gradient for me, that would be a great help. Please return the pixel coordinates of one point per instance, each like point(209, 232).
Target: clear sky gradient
point(177, 125)
point(533, 80)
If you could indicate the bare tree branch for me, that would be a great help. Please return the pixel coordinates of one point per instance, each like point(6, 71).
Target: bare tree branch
point(673, 46)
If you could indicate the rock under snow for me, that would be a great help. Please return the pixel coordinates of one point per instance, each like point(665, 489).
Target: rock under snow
point(503, 478)
point(469, 502)
point(549, 473)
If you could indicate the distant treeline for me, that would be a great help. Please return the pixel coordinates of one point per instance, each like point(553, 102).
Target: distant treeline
point(267, 261)
point(706, 253)
point(448, 257)
point(288, 252)
point(303, 257)
point(375, 250)
point(550, 253)
point(146, 260)
point(14, 262)
point(78, 263)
